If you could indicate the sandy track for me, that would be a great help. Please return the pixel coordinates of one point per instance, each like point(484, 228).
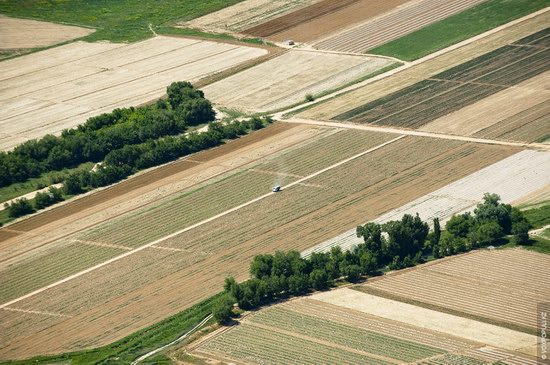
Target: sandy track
point(287, 79)
point(431, 65)
point(23, 33)
point(428, 319)
point(49, 91)
point(394, 24)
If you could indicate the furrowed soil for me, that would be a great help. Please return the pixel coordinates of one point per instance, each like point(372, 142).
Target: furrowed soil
point(296, 218)
point(321, 19)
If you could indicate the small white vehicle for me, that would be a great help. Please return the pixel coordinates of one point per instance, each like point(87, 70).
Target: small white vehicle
point(276, 188)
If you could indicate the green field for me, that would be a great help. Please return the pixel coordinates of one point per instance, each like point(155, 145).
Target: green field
point(115, 20)
point(458, 27)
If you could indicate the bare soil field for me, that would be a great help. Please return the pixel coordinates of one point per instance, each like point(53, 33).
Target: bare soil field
point(500, 285)
point(394, 24)
point(322, 18)
point(297, 218)
point(19, 34)
point(48, 91)
point(246, 14)
point(424, 69)
point(462, 86)
point(428, 319)
point(524, 175)
point(287, 79)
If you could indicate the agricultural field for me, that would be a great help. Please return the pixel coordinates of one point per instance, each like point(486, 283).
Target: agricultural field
point(327, 327)
point(417, 72)
point(59, 88)
point(245, 14)
point(19, 35)
point(196, 260)
point(462, 86)
point(504, 296)
point(524, 174)
point(287, 79)
point(320, 19)
point(393, 24)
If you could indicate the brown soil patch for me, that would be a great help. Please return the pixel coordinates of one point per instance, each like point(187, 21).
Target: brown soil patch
point(321, 19)
point(23, 33)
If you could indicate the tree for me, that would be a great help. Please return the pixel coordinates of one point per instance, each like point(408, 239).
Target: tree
point(19, 208)
point(298, 284)
point(223, 309)
point(520, 230)
point(261, 266)
point(491, 210)
point(369, 264)
point(436, 231)
point(318, 279)
point(460, 225)
point(487, 233)
point(72, 184)
point(352, 272)
point(372, 236)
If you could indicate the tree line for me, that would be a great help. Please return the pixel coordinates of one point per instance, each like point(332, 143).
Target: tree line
point(393, 245)
point(126, 140)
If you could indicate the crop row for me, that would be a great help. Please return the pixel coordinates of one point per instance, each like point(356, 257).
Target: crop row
point(452, 359)
point(453, 89)
point(344, 335)
point(64, 260)
point(540, 38)
point(367, 322)
point(260, 346)
point(325, 152)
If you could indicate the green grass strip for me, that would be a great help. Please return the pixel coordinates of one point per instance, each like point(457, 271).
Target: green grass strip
point(457, 28)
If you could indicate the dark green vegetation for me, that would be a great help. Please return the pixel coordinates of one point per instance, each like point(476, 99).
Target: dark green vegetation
point(460, 86)
point(115, 20)
point(126, 140)
point(137, 344)
point(459, 27)
point(395, 245)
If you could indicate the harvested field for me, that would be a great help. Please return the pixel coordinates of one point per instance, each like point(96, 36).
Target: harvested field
point(506, 285)
point(246, 14)
point(428, 68)
point(59, 88)
point(462, 86)
point(321, 18)
point(19, 34)
point(287, 79)
point(428, 319)
point(298, 217)
point(394, 24)
point(513, 178)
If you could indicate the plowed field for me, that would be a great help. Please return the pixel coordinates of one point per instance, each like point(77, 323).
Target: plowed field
point(378, 89)
point(462, 86)
point(394, 24)
point(502, 285)
point(195, 262)
point(321, 19)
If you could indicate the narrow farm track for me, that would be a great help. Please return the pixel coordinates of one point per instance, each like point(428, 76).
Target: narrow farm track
point(409, 132)
point(165, 238)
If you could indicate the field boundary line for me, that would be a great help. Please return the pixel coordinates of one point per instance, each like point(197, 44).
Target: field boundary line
point(198, 224)
point(37, 312)
point(418, 133)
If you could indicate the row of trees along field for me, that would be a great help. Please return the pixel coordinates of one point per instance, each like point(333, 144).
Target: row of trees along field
point(393, 245)
point(126, 140)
